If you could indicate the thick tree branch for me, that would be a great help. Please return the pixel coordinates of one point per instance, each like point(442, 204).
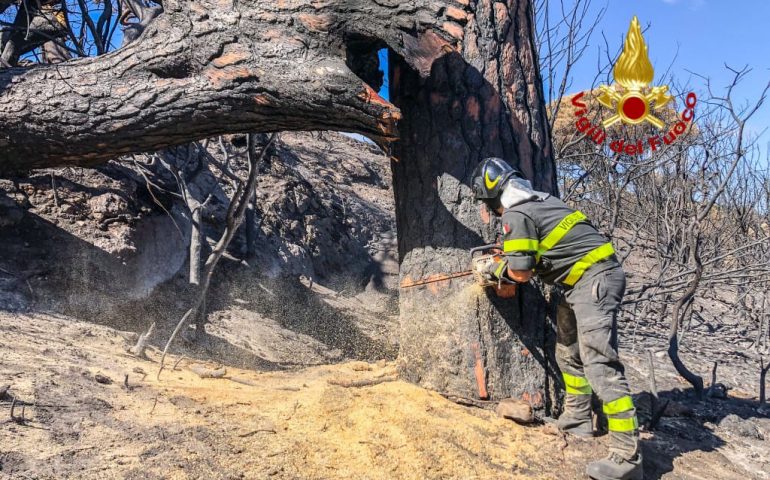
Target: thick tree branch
point(205, 68)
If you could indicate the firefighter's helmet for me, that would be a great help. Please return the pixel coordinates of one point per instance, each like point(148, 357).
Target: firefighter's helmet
point(489, 177)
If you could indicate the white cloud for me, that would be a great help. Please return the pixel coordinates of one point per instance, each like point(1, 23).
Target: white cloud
point(692, 4)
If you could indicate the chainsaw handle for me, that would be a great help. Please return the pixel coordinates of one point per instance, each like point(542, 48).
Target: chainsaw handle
point(483, 248)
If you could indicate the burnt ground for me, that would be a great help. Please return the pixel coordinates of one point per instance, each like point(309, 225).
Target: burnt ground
point(90, 410)
point(83, 271)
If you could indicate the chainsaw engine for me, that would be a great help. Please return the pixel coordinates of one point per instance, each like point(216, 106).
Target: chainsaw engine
point(483, 264)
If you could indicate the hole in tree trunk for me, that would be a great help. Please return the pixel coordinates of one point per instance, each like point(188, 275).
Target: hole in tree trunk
point(363, 59)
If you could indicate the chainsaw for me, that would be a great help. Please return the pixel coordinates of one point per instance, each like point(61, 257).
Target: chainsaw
point(482, 264)
point(482, 259)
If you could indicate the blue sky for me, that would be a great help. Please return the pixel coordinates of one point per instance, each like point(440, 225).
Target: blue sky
point(384, 90)
point(693, 36)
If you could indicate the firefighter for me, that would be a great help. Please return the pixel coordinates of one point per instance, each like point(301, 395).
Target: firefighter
point(542, 235)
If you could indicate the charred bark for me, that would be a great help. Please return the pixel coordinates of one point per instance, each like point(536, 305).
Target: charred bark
point(762, 376)
point(677, 315)
point(207, 67)
point(481, 98)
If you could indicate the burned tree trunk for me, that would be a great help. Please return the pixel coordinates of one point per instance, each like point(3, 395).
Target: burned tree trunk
point(678, 314)
point(481, 98)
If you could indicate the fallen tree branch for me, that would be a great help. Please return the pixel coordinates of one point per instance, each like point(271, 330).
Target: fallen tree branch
point(252, 432)
point(361, 383)
point(205, 372)
point(242, 381)
point(176, 364)
point(470, 402)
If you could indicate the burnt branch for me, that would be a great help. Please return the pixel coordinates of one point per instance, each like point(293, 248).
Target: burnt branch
point(205, 68)
point(235, 213)
point(762, 380)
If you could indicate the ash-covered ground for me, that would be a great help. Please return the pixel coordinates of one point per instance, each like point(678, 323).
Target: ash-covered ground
point(305, 325)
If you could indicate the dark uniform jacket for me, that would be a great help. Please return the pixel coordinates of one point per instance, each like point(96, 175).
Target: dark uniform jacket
point(558, 242)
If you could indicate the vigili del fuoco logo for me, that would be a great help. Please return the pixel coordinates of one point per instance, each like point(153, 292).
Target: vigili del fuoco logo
point(633, 101)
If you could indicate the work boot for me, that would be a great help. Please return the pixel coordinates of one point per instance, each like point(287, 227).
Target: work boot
point(576, 418)
point(615, 467)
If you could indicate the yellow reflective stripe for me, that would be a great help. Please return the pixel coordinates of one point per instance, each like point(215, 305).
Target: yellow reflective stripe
point(579, 391)
point(500, 268)
point(622, 424)
point(622, 404)
point(520, 245)
point(596, 255)
point(573, 380)
point(576, 385)
point(558, 232)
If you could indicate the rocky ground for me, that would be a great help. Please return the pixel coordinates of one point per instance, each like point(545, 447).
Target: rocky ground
point(110, 244)
point(303, 335)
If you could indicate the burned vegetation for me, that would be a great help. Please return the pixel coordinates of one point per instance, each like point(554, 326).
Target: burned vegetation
point(200, 278)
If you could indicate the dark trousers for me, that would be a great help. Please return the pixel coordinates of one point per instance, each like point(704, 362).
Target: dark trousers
point(587, 348)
